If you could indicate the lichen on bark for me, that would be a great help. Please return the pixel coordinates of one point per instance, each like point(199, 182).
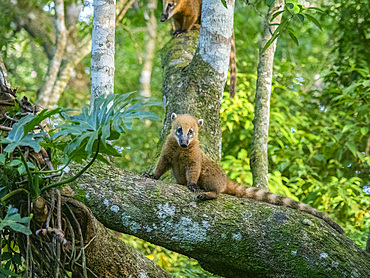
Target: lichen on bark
point(230, 236)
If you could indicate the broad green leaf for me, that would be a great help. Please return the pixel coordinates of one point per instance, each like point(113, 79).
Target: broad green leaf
point(300, 16)
point(2, 158)
point(8, 272)
point(275, 15)
point(319, 157)
point(314, 8)
point(224, 3)
point(352, 147)
point(293, 37)
point(289, 5)
point(364, 130)
point(314, 21)
point(15, 162)
point(269, 3)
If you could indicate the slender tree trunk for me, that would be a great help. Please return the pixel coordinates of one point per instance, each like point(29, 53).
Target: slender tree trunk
point(102, 54)
point(151, 24)
point(66, 71)
point(54, 65)
point(259, 159)
point(194, 85)
point(4, 80)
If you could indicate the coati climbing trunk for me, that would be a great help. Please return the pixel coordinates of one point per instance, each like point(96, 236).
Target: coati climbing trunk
point(195, 72)
point(259, 159)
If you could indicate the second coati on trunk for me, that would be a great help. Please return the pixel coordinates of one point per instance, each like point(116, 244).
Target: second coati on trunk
point(186, 14)
point(192, 168)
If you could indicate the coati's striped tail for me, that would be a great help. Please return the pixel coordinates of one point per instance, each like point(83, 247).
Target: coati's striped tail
point(271, 198)
point(232, 63)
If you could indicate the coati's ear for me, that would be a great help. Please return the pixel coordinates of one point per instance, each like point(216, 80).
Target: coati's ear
point(173, 116)
point(200, 122)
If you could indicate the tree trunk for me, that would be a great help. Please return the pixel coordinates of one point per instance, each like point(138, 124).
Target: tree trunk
point(259, 159)
point(102, 54)
point(151, 24)
point(66, 71)
point(230, 236)
point(54, 65)
point(194, 83)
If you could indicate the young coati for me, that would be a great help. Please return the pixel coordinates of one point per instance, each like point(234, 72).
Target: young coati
point(185, 14)
point(191, 167)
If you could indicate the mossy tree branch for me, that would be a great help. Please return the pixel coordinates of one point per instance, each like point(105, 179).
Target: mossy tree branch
point(229, 236)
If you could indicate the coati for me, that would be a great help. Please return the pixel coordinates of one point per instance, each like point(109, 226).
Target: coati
point(185, 14)
point(191, 167)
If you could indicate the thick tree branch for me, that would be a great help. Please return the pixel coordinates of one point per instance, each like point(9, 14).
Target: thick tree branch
point(228, 236)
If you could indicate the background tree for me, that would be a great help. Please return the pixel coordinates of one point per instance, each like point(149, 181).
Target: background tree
point(259, 158)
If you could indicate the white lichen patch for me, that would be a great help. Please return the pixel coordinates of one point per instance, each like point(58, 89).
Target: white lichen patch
point(189, 233)
point(127, 222)
point(143, 275)
point(147, 228)
point(106, 202)
point(205, 224)
point(237, 236)
point(323, 256)
point(114, 208)
point(165, 211)
point(176, 62)
point(294, 252)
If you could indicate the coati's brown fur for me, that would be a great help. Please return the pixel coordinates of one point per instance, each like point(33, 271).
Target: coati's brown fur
point(186, 14)
point(191, 167)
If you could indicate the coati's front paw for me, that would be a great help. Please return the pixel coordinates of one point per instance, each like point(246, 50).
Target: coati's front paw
point(179, 33)
point(207, 196)
point(202, 197)
point(193, 187)
point(147, 175)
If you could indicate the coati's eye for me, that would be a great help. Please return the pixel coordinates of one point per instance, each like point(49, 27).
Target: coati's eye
point(191, 132)
point(179, 130)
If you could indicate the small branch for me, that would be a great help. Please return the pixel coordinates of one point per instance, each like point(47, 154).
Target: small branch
point(5, 128)
point(47, 187)
point(13, 193)
point(136, 46)
point(123, 12)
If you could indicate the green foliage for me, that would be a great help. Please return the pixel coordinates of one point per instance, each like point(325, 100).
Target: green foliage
point(176, 264)
point(10, 258)
point(14, 221)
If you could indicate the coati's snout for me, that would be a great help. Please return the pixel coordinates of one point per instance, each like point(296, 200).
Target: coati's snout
point(168, 10)
point(164, 17)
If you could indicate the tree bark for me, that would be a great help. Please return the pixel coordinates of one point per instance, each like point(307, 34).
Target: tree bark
point(102, 54)
point(230, 236)
point(195, 73)
point(151, 24)
point(54, 65)
point(106, 254)
point(259, 159)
